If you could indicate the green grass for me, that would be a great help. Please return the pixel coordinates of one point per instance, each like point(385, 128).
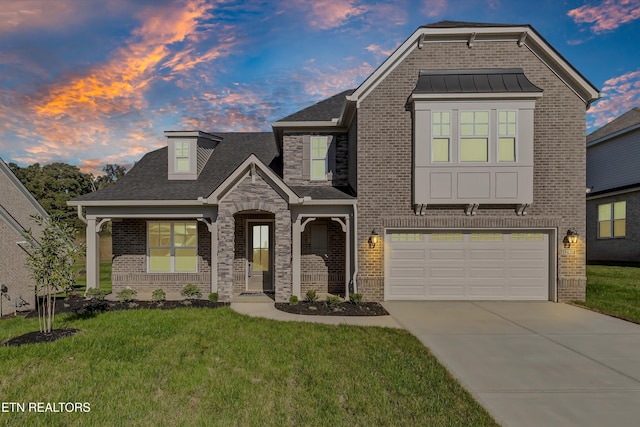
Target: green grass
point(203, 367)
point(81, 275)
point(614, 291)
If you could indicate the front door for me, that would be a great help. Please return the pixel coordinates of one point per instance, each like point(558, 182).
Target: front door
point(260, 254)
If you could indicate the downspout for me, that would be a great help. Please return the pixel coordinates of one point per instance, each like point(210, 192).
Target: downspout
point(82, 218)
point(355, 247)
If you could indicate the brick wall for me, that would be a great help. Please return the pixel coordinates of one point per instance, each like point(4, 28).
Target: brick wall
point(320, 272)
point(619, 249)
point(292, 157)
point(385, 159)
point(130, 261)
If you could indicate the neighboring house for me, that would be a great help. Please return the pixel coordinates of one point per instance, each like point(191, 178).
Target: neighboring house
point(613, 185)
point(452, 172)
point(17, 206)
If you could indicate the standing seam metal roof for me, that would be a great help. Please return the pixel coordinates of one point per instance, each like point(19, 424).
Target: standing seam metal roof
point(496, 80)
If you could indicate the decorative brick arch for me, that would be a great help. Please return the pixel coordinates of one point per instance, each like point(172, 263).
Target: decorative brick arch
point(255, 205)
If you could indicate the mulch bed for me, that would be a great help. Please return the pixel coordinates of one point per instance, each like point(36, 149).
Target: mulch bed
point(341, 309)
point(38, 337)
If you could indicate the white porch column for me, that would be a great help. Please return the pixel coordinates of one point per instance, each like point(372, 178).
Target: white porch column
point(296, 249)
point(93, 255)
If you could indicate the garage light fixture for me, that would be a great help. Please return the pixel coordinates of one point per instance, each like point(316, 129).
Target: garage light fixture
point(571, 238)
point(373, 239)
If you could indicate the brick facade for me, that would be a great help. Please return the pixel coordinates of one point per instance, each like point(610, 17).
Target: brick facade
point(292, 158)
point(625, 249)
point(324, 272)
point(385, 159)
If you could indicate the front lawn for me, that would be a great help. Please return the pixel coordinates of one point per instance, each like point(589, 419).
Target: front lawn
point(614, 291)
point(81, 275)
point(215, 367)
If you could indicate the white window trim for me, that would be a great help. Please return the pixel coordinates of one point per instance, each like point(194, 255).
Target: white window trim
point(171, 250)
point(612, 221)
point(312, 158)
point(488, 137)
point(514, 136)
point(450, 137)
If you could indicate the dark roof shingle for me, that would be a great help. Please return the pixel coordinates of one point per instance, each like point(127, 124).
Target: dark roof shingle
point(629, 119)
point(324, 110)
point(148, 179)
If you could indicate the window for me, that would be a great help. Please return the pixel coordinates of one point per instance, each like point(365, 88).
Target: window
point(406, 237)
point(446, 237)
point(182, 161)
point(612, 220)
point(319, 151)
point(173, 246)
point(474, 136)
point(507, 136)
point(441, 132)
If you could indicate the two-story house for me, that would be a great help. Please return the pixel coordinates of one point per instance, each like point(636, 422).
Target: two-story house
point(613, 185)
point(454, 171)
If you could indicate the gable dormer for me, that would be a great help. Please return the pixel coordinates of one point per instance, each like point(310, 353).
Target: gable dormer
point(188, 152)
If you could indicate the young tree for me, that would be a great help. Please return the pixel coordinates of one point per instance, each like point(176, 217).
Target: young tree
point(49, 262)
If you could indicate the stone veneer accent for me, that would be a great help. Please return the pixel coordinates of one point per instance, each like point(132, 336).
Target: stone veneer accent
point(253, 195)
point(130, 260)
point(385, 160)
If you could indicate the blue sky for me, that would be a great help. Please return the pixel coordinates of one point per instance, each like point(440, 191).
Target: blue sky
point(90, 82)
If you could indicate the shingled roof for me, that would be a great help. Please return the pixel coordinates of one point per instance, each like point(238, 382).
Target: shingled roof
point(324, 110)
point(148, 180)
point(629, 119)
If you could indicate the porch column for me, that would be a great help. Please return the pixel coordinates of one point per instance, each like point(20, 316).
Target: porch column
point(347, 256)
point(213, 228)
point(296, 249)
point(93, 255)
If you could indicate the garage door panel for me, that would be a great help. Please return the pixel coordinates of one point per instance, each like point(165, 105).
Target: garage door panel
point(482, 265)
point(407, 254)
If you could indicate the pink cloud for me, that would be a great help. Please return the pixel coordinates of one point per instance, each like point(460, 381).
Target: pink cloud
point(378, 50)
point(607, 16)
point(619, 94)
point(330, 81)
point(328, 14)
point(435, 8)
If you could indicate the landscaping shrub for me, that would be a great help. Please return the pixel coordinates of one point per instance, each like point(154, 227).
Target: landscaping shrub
point(158, 295)
point(126, 295)
point(333, 301)
point(213, 297)
point(355, 298)
point(191, 292)
point(311, 295)
point(293, 300)
point(96, 294)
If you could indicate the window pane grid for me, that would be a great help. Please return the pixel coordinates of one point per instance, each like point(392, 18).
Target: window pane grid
point(474, 141)
point(612, 220)
point(406, 237)
point(172, 246)
point(319, 152)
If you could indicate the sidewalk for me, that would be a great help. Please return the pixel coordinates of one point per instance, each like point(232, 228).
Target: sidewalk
point(268, 311)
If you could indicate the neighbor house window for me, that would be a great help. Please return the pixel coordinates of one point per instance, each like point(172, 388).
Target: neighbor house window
point(474, 136)
point(612, 220)
point(182, 161)
point(441, 132)
point(173, 246)
point(507, 130)
point(319, 150)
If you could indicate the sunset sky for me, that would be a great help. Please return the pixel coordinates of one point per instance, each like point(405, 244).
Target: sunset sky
point(90, 82)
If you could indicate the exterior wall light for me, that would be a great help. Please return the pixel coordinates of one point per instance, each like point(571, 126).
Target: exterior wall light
point(373, 239)
point(571, 238)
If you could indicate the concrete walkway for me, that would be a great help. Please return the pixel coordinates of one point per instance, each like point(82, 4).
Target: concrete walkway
point(534, 364)
point(268, 310)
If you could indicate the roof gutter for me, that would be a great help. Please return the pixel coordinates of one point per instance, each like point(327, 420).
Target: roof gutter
point(81, 203)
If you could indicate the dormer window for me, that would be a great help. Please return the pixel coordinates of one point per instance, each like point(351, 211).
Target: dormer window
point(319, 163)
point(182, 161)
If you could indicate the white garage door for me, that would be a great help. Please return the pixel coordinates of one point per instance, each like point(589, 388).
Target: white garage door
point(467, 266)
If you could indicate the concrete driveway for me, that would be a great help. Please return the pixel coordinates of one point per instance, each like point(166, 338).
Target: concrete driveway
point(534, 363)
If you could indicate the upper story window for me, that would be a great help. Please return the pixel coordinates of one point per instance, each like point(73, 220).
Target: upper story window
point(182, 161)
point(507, 131)
point(441, 132)
point(319, 163)
point(474, 136)
point(612, 220)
